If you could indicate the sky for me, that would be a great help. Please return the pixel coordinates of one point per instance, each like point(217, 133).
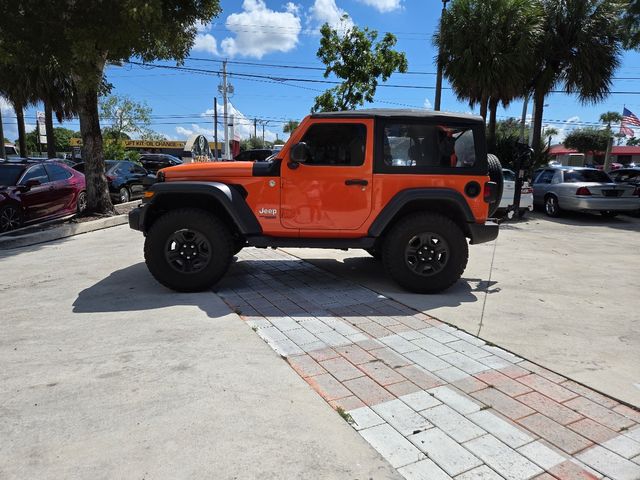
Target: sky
point(275, 32)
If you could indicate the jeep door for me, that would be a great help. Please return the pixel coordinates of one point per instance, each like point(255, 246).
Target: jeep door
point(332, 189)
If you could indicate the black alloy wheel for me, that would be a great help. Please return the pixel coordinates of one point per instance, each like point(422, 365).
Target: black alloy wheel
point(10, 218)
point(187, 251)
point(427, 254)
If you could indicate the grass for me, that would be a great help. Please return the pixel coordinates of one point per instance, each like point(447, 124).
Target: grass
point(347, 418)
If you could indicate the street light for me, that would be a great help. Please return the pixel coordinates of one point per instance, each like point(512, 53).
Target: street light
point(439, 74)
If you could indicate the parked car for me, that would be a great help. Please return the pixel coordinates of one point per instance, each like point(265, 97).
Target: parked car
point(152, 162)
point(629, 176)
point(582, 189)
point(509, 192)
point(126, 179)
point(10, 151)
point(257, 155)
point(37, 191)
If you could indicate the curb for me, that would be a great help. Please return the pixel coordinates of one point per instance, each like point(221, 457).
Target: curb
point(62, 231)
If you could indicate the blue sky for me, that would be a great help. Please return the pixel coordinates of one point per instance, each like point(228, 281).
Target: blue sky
point(279, 32)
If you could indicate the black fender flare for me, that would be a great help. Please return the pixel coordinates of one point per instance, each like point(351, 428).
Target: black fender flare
point(229, 198)
point(404, 197)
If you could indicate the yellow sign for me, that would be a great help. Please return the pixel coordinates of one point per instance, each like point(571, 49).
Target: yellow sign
point(77, 142)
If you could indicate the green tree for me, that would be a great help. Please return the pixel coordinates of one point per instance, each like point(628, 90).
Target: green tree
point(631, 24)
point(125, 115)
point(609, 118)
point(484, 49)
point(550, 132)
point(151, 135)
point(290, 126)
point(579, 51)
point(586, 140)
point(633, 142)
point(359, 62)
point(84, 42)
point(16, 87)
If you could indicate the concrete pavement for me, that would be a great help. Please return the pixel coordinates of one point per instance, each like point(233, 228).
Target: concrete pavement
point(562, 293)
point(106, 374)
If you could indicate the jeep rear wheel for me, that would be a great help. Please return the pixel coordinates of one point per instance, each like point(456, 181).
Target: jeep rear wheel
point(425, 252)
point(188, 250)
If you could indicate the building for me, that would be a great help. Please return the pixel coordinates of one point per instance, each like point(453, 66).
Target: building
point(620, 154)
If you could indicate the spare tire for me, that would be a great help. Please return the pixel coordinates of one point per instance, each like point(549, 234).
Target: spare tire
point(495, 175)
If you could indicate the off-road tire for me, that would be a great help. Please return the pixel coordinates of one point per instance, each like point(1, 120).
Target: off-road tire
point(398, 238)
point(495, 175)
point(205, 223)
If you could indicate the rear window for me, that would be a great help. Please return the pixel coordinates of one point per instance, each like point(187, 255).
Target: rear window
point(9, 174)
point(577, 176)
point(413, 146)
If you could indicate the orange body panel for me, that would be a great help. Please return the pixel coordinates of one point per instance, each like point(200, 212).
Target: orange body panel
point(312, 201)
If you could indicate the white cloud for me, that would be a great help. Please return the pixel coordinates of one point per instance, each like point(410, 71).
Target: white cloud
point(326, 11)
point(427, 104)
point(259, 30)
point(243, 126)
point(206, 43)
point(563, 129)
point(383, 5)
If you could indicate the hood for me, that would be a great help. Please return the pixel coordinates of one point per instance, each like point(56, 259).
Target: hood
point(208, 170)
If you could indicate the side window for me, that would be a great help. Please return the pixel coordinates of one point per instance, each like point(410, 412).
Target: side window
point(425, 145)
point(139, 169)
point(56, 173)
point(509, 176)
point(557, 177)
point(336, 144)
point(36, 173)
point(545, 177)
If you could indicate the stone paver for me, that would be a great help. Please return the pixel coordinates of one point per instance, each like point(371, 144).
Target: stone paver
point(435, 401)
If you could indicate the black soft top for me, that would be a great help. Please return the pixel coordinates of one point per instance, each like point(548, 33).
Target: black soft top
point(401, 113)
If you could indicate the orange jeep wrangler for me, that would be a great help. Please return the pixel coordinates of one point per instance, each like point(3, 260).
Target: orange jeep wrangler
point(408, 186)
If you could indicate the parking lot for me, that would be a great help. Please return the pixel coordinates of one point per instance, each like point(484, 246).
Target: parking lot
point(562, 292)
point(107, 354)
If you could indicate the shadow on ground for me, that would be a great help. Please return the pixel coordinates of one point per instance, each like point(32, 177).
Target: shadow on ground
point(134, 289)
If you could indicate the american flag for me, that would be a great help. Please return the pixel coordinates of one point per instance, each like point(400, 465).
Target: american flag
point(629, 118)
point(626, 131)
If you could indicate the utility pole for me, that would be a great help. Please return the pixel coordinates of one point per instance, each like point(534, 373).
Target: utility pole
point(3, 154)
point(224, 99)
point(255, 128)
point(436, 106)
point(263, 124)
point(215, 127)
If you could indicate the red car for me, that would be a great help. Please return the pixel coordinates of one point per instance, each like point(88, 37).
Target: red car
point(36, 191)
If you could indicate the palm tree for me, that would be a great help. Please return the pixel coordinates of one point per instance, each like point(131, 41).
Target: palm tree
point(550, 132)
point(484, 46)
point(578, 50)
point(15, 87)
point(609, 118)
point(290, 126)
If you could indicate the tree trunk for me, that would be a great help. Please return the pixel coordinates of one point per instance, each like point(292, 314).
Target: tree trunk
point(22, 140)
point(483, 107)
point(607, 155)
point(536, 137)
point(98, 199)
point(2, 152)
point(491, 134)
point(48, 125)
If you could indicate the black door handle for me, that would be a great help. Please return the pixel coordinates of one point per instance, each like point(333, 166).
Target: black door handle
point(356, 181)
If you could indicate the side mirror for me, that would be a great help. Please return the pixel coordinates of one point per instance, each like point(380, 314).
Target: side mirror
point(300, 153)
point(30, 184)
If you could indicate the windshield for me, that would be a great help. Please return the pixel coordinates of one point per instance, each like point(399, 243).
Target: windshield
point(9, 174)
point(576, 176)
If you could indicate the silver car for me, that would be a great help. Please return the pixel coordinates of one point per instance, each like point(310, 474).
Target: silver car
point(582, 189)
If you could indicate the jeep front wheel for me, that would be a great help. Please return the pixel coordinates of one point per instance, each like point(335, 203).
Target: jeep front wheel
point(425, 252)
point(188, 250)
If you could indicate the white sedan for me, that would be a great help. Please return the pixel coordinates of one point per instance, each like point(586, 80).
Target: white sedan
point(508, 194)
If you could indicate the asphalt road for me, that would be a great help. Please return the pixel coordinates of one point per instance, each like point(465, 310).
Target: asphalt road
point(106, 374)
point(564, 293)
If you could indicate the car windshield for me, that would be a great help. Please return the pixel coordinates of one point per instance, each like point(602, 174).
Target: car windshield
point(577, 176)
point(9, 174)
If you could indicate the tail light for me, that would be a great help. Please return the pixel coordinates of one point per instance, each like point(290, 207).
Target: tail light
point(110, 178)
point(637, 191)
point(490, 193)
point(583, 191)
point(526, 190)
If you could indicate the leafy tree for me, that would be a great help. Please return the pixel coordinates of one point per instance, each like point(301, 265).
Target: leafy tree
point(631, 24)
point(484, 49)
point(587, 140)
point(114, 149)
point(85, 40)
point(609, 118)
point(359, 61)
point(507, 135)
point(125, 115)
point(151, 135)
point(15, 86)
point(290, 126)
point(579, 50)
point(633, 142)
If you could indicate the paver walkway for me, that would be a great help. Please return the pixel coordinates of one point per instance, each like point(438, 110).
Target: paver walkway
point(436, 402)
